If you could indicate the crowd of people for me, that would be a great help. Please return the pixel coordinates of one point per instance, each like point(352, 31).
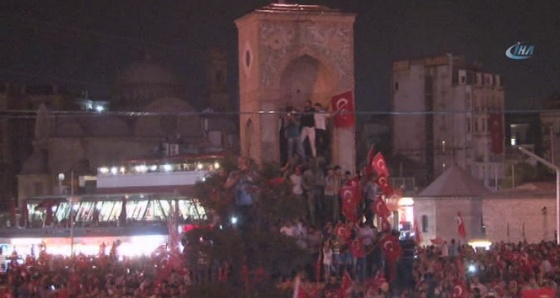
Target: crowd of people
point(348, 263)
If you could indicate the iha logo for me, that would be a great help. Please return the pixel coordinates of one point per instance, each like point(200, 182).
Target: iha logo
point(520, 51)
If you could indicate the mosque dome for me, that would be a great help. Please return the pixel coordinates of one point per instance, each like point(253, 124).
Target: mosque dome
point(144, 81)
point(147, 71)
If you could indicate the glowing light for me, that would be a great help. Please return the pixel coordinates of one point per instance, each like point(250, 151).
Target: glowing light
point(104, 170)
point(153, 168)
point(216, 165)
point(141, 168)
point(61, 177)
point(122, 169)
point(167, 168)
point(480, 244)
point(99, 108)
point(113, 170)
point(199, 166)
point(233, 220)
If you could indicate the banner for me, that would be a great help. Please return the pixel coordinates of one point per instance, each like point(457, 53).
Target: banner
point(496, 128)
point(343, 107)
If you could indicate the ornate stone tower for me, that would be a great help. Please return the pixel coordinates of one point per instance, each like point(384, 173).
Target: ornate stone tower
point(289, 53)
point(218, 96)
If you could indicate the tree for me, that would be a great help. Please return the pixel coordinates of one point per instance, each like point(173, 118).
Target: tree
point(257, 246)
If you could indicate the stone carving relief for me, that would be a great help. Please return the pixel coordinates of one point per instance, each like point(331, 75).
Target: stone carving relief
point(331, 40)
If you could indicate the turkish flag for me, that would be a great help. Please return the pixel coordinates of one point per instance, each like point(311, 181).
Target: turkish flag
point(383, 182)
point(368, 170)
point(539, 293)
point(496, 128)
point(343, 232)
point(417, 233)
point(461, 230)
point(385, 225)
point(459, 290)
point(354, 185)
point(391, 247)
point(349, 206)
point(379, 208)
point(379, 165)
point(343, 105)
point(345, 285)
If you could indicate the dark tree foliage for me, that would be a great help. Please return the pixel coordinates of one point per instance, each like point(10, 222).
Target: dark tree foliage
point(260, 247)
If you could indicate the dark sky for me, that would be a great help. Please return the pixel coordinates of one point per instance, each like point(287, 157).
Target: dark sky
point(83, 44)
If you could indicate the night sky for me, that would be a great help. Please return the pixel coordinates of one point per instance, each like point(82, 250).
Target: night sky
point(83, 44)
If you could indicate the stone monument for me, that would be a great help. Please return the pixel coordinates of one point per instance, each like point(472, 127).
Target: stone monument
point(290, 53)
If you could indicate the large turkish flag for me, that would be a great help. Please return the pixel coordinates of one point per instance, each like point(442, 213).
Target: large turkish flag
point(343, 107)
point(496, 128)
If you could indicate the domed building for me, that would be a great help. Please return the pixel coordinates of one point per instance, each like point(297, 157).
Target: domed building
point(74, 146)
point(144, 81)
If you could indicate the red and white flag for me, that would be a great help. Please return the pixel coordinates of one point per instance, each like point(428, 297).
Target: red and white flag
point(391, 247)
point(459, 290)
point(379, 208)
point(369, 168)
point(343, 105)
point(383, 182)
point(496, 128)
point(417, 233)
point(461, 230)
point(380, 165)
point(345, 285)
point(385, 225)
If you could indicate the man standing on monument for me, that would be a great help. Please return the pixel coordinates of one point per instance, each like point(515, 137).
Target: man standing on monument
point(321, 115)
point(308, 126)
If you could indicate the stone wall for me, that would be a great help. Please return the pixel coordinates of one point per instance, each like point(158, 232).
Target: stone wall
point(523, 215)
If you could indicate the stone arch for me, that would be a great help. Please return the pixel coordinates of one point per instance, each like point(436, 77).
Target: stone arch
point(324, 68)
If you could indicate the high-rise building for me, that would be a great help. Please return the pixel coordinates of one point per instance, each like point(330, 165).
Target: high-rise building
point(449, 112)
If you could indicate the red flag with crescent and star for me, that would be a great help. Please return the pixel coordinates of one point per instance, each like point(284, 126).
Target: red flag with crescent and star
point(383, 182)
point(461, 230)
point(380, 165)
point(385, 225)
point(369, 168)
point(459, 290)
point(417, 233)
point(391, 247)
point(379, 208)
point(345, 285)
point(496, 128)
point(349, 206)
point(343, 106)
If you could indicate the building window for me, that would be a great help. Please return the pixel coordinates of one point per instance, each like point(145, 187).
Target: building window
point(424, 223)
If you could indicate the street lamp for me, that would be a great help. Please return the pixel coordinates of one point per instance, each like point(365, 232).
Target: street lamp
point(557, 170)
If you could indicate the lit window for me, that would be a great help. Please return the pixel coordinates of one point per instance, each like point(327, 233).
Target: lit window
point(513, 141)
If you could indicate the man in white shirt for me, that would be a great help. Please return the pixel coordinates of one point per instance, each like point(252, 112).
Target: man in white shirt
point(321, 135)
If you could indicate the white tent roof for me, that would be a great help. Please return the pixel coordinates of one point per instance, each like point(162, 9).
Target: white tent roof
point(455, 182)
